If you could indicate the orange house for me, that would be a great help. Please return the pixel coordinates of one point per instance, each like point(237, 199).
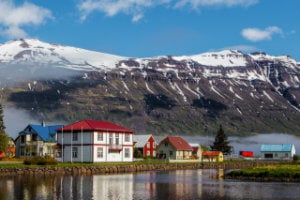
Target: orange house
point(10, 149)
point(212, 156)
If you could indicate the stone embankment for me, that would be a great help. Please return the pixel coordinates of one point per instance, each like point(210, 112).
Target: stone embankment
point(130, 168)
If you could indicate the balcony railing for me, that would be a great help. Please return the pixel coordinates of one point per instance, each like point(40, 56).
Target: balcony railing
point(115, 147)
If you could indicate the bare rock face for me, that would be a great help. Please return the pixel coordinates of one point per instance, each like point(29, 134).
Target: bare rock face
point(255, 93)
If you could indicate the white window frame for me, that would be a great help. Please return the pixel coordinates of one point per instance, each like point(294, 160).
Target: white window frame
point(75, 136)
point(74, 152)
point(127, 153)
point(100, 152)
point(100, 137)
point(117, 138)
point(127, 137)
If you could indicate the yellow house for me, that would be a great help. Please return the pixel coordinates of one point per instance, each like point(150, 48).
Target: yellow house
point(212, 156)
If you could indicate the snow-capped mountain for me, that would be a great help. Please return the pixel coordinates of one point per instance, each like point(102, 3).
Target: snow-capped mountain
point(248, 93)
point(33, 51)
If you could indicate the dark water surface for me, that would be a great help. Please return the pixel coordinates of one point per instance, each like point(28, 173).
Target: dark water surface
point(180, 184)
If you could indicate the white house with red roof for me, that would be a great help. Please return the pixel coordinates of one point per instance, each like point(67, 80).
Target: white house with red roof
point(94, 141)
point(174, 148)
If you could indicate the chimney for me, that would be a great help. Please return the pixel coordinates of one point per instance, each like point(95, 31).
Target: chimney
point(43, 123)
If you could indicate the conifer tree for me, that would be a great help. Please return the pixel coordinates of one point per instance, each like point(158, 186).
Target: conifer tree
point(3, 135)
point(221, 142)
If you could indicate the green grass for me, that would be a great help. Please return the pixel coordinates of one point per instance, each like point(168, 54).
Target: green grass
point(286, 171)
point(77, 164)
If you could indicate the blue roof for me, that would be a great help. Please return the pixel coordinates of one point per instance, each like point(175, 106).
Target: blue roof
point(45, 132)
point(277, 147)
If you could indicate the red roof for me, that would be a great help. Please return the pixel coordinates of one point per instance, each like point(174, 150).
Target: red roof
point(94, 125)
point(178, 143)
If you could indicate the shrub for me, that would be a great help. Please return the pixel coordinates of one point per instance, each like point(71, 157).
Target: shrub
point(40, 160)
point(295, 158)
point(137, 153)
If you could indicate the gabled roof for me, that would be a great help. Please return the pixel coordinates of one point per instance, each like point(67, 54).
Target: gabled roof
point(141, 140)
point(178, 143)
point(45, 132)
point(211, 153)
point(94, 125)
point(277, 147)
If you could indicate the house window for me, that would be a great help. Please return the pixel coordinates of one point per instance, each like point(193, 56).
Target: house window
point(148, 145)
point(154, 153)
point(127, 153)
point(75, 137)
point(22, 139)
point(166, 144)
point(99, 137)
point(74, 152)
point(154, 145)
point(171, 153)
point(127, 138)
point(58, 153)
point(22, 151)
point(286, 155)
point(100, 152)
point(148, 153)
point(34, 137)
point(117, 138)
point(110, 138)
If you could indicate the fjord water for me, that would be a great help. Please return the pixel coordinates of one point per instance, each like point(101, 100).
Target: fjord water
point(179, 184)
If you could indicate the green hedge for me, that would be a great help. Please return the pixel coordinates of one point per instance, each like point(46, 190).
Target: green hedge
point(40, 160)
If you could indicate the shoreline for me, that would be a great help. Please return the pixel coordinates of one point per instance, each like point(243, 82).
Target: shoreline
point(126, 168)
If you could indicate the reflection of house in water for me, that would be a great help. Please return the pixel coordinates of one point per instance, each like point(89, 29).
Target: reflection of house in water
point(146, 182)
point(74, 187)
point(118, 186)
point(182, 183)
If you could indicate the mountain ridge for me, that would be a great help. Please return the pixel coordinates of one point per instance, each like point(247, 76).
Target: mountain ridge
point(247, 93)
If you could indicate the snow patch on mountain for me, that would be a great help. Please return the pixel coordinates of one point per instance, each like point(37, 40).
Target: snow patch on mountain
point(226, 58)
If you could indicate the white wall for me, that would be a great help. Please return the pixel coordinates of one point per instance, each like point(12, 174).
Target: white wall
point(87, 145)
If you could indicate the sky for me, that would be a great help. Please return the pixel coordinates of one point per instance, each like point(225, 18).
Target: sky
point(147, 28)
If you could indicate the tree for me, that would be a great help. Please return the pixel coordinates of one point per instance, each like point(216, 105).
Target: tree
point(3, 135)
point(221, 142)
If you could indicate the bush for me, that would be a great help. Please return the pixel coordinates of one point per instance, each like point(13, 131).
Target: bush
point(295, 158)
point(40, 160)
point(137, 153)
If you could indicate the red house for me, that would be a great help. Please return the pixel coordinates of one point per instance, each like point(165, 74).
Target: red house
point(146, 144)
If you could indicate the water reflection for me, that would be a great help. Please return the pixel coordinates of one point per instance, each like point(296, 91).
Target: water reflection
point(180, 184)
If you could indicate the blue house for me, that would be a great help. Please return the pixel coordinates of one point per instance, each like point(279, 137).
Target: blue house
point(277, 151)
point(37, 140)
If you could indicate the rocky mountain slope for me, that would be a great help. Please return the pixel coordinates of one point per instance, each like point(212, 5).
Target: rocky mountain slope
point(256, 93)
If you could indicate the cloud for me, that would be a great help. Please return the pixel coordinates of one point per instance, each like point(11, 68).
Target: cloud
point(114, 7)
point(229, 3)
point(255, 34)
point(13, 18)
point(136, 8)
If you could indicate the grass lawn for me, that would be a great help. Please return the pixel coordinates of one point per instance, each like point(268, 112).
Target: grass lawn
point(272, 172)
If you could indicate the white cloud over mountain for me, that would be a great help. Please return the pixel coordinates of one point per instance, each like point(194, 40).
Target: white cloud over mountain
point(13, 18)
point(255, 34)
point(136, 8)
point(198, 3)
